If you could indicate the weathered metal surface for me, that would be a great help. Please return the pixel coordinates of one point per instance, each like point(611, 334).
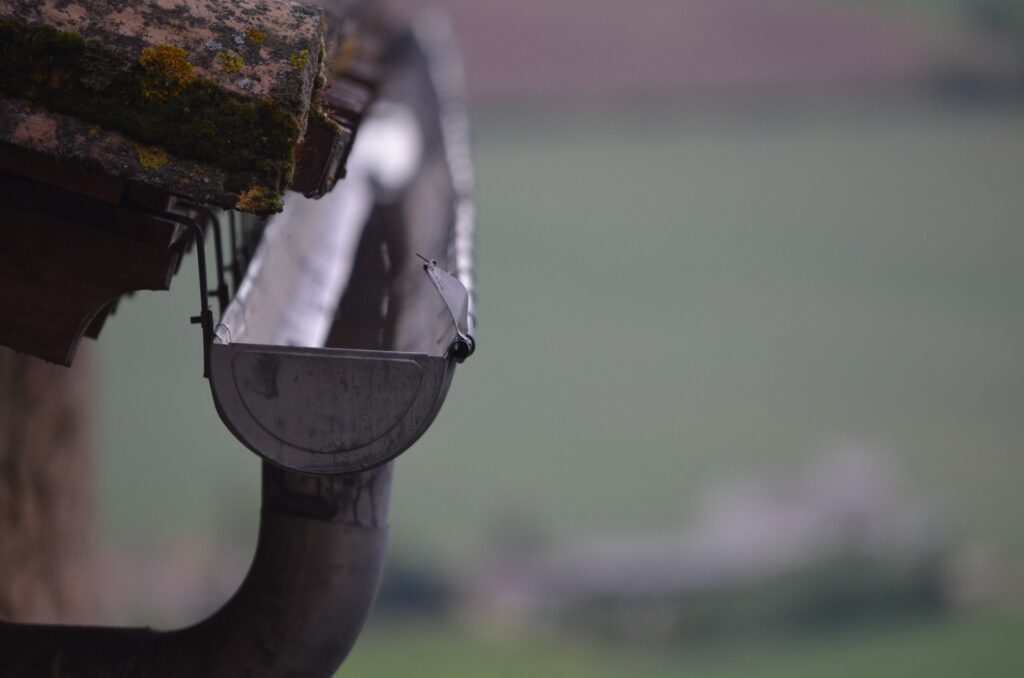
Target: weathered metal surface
point(456, 299)
point(306, 255)
point(323, 410)
point(438, 203)
point(313, 579)
point(436, 36)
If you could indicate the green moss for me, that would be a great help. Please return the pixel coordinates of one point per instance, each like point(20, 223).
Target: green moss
point(321, 75)
point(157, 101)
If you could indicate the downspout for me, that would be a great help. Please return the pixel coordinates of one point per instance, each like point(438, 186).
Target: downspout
point(298, 613)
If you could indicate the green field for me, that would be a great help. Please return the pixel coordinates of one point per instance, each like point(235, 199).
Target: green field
point(666, 299)
point(987, 646)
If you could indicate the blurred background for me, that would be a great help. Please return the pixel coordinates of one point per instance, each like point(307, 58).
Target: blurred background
point(750, 387)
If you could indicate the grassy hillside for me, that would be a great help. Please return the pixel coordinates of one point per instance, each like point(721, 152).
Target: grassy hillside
point(700, 295)
point(978, 645)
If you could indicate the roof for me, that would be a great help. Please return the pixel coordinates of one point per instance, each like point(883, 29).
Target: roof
point(208, 100)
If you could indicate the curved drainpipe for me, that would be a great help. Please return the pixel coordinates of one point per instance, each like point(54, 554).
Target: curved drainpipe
point(298, 613)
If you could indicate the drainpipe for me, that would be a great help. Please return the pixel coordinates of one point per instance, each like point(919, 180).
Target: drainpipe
point(298, 613)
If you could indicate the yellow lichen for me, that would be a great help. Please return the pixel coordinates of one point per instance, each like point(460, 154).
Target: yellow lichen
point(230, 61)
point(168, 70)
point(256, 36)
point(94, 130)
point(299, 59)
point(151, 157)
point(258, 200)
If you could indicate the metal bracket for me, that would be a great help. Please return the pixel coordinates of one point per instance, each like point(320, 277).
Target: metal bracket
point(205, 317)
point(456, 298)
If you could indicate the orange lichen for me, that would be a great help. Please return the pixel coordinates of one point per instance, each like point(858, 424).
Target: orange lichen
point(151, 157)
point(255, 36)
point(258, 200)
point(230, 61)
point(168, 71)
point(172, 108)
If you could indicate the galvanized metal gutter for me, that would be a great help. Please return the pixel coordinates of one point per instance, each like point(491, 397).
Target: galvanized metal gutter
point(298, 613)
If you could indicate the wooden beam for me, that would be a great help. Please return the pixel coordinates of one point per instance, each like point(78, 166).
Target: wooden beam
point(59, 267)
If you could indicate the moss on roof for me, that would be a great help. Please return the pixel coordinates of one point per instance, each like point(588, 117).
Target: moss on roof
point(221, 90)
